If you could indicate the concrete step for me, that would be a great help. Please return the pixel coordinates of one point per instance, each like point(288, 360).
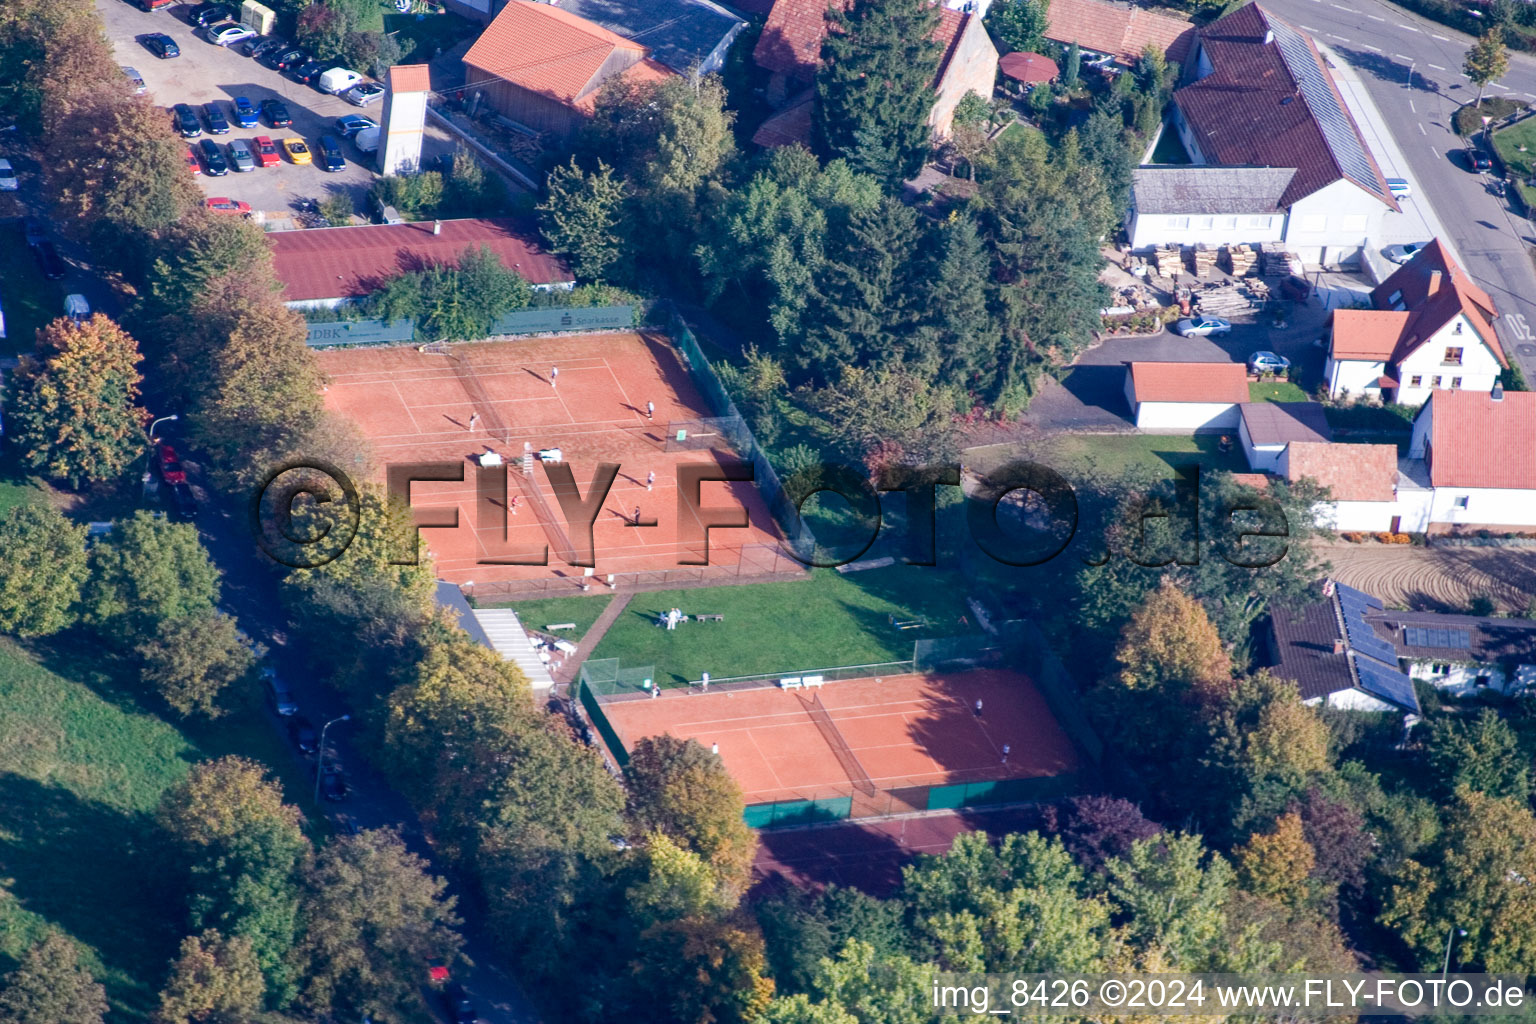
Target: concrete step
point(512, 643)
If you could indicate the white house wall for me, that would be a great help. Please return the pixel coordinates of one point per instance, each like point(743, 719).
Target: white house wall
point(1330, 226)
point(1459, 679)
point(1148, 230)
point(1187, 417)
point(1479, 368)
point(1484, 506)
point(1353, 376)
point(1261, 458)
point(1364, 516)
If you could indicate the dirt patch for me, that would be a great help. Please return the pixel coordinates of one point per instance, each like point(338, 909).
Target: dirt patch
point(1437, 579)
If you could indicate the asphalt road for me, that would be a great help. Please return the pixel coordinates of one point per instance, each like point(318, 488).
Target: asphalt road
point(1411, 68)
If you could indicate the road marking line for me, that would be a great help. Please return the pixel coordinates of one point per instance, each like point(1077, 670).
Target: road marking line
point(1368, 46)
point(1402, 56)
point(1443, 39)
point(1421, 129)
point(1410, 28)
point(1341, 39)
point(1375, 17)
point(1437, 67)
point(1496, 85)
point(1309, 28)
point(1412, 107)
point(1341, 7)
point(1532, 95)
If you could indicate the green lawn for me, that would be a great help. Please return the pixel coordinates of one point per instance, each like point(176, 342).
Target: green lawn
point(830, 620)
point(421, 35)
point(1508, 143)
point(82, 766)
point(1275, 391)
point(1141, 455)
point(29, 299)
point(581, 610)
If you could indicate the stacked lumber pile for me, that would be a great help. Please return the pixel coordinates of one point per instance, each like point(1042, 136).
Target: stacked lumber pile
point(1282, 262)
point(1226, 301)
point(1170, 260)
point(1241, 260)
point(1205, 260)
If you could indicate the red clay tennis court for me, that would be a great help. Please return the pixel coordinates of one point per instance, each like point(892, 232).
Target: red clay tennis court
point(455, 403)
point(881, 745)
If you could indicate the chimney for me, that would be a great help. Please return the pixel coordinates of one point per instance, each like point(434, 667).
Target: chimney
point(1269, 36)
point(1498, 392)
point(1434, 284)
point(1338, 646)
point(437, 227)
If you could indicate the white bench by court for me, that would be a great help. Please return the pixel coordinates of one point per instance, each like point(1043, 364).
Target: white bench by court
point(791, 683)
point(815, 681)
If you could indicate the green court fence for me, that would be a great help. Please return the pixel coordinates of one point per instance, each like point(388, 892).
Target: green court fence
point(958, 653)
point(797, 535)
point(1004, 791)
point(602, 725)
point(1031, 653)
point(605, 677)
point(798, 812)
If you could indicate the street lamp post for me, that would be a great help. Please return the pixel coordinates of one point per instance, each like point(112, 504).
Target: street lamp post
point(1450, 938)
point(320, 759)
point(172, 417)
point(150, 458)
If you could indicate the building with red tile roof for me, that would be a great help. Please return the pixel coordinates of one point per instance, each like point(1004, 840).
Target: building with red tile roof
point(790, 49)
point(1351, 472)
point(542, 66)
point(1431, 329)
point(1184, 398)
point(325, 267)
point(1118, 30)
point(1259, 95)
point(1480, 452)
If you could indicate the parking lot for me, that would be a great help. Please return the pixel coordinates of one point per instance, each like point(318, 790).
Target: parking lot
point(207, 73)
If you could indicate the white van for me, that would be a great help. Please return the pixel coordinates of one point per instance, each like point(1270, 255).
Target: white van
point(1399, 188)
point(338, 80)
point(367, 140)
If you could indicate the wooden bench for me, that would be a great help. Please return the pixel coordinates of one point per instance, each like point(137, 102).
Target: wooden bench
point(917, 623)
point(560, 625)
point(709, 618)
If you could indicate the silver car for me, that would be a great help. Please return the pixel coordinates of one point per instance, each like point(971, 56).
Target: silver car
point(135, 80)
point(1201, 326)
point(240, 156)
point(1403, 253)
point(362, 95)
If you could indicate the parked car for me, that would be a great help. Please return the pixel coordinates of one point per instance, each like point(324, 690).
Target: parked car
point(135, 81)
point(263, 46)
point(1480, 161)
point(333, 782)
point(367, 140)
point(185, 120)
point(49, 260)
point(153, 5)
point(218, 124)
point(1267, 362)
point(34, 232)
point(204, 15)
point(302, 731)
point(290, 59)
point(168, 463)
point(456, 1002)
point(1399, 188)
point(77, 308)
point(161, 45)
point(297, 151)
point(192, 163)
point(337, 81)
point(1403, 253)
point(241, 157)
point(228, 33)
point(362, 95)
point(279, 693)
point(214, 164)
point(1201, 327)
point(224, 204)
point(183, 502)
point(276, 112)
point(350, 124)
point(266, 151)
point(309, 72)
point(8, 181)
point(245, 112)
point(330, 154)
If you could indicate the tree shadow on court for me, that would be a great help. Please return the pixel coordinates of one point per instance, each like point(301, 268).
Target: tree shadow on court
point(864, 856)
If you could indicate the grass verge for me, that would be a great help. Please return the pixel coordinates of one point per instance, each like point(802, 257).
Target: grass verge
point(581, 610)
point(1275, 391)
point(29, 299)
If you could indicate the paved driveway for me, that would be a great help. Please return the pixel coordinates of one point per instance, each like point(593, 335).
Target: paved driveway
point(206, 73)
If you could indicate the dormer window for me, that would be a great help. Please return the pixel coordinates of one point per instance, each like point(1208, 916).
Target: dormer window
point(1452, 357)
point(1459, 326)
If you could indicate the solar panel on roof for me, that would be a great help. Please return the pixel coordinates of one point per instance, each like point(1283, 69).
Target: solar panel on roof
point(1338, 130)
point(1351, 594)
point(1420, 636)
point(1359, 633)
point(1391, 686)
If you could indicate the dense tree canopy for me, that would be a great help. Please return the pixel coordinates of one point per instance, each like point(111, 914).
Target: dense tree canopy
point(50, 986)
point(42, 571)
point(146, 571)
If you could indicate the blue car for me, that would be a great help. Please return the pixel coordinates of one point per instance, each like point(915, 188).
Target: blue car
point(245, 113)
point(330, 154)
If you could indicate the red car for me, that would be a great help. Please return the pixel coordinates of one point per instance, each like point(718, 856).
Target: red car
point(266, 152)
point(223, 204)
point(196, 167)
point(170, 465)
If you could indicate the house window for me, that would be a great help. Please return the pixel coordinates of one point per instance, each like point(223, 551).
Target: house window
point(1395, 297)
point(1455, 383)
point(1434, 381)
point(1204, 223)
point(1178, 223)
point(1481, 681)
point(1416, 381)
point(1459, 326)
point(1229, 223)
point(1460, 502)
point(1262, 223)
point(1453, 357)
point(1314, 222)
point(1440, 670)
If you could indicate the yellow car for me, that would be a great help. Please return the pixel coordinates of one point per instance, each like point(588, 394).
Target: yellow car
point(297, 151)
